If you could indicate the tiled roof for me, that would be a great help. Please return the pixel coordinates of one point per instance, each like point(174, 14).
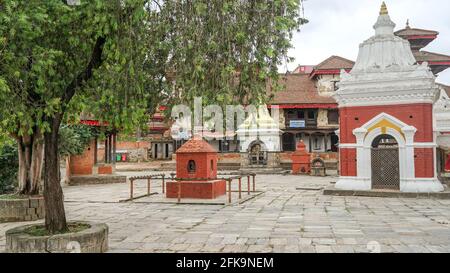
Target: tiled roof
point(425, 56)
point(335, 62)
point(415, 31)
point(298, 89)
point(196, 145)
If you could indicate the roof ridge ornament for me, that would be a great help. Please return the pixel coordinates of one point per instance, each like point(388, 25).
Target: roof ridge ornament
point(384, 10)
point(407, 24)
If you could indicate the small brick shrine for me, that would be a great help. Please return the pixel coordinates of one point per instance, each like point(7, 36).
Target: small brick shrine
point(301, 160)
point(196, 159)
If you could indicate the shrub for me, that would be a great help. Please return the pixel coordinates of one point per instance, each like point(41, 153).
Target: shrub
point(9, 164)
point(74, 139)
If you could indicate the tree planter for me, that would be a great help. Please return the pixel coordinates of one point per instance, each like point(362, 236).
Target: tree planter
point(94, 239)
point(22, 209)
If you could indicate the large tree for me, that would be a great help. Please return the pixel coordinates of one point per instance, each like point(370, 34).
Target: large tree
point(53, 56)
point(112, 58)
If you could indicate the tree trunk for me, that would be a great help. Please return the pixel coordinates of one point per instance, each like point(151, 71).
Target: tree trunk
point(31, 152)
point(55, 217)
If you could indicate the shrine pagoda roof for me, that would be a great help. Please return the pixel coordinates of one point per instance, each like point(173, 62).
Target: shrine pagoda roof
point(408, 32)
point(196, 145)
point(299, 89)
point(418, 38)
point(426, 56)
point(437, 62)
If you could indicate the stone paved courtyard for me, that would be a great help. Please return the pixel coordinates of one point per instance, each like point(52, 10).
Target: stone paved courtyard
point(282, 219)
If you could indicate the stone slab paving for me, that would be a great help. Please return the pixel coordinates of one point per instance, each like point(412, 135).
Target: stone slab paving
point(281, 219)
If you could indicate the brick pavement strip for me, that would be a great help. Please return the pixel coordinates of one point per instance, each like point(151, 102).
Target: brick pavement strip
point(282, 219)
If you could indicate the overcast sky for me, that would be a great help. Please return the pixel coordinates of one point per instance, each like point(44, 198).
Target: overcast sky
point(337, 27)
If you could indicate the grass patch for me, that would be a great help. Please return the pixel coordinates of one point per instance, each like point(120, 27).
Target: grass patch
point(41, 231)
point(13, 196)
point(10, 196)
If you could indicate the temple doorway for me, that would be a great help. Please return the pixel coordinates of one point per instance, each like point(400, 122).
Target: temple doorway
point(257, 154)
point(385, 163)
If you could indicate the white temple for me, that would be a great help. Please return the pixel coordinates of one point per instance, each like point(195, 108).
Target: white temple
point(387, 139)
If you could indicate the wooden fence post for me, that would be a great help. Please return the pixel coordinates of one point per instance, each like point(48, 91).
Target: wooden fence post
point(179, 191)
point(131, 188)
point(229, 190)
point(254, 187)
point(240, 187)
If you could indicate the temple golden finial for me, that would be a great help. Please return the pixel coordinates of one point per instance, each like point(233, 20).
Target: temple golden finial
point(383, 10)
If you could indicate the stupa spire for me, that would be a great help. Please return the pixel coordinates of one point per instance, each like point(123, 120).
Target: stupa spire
point(384, 10)
point(384, 25)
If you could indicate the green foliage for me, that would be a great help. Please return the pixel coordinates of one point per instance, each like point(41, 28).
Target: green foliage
point(227, 51)
point(224, 51)
point(9, 164)
point(48, 65)
point(5, 139)
point(74, 139)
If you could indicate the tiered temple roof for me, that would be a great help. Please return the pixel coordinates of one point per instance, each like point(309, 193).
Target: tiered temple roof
point(420, 38)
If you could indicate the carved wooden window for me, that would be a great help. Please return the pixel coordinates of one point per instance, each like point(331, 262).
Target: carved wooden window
point(333, 117)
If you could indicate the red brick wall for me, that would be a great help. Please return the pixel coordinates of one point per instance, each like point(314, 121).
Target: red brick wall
point(422, 119)
point(229, 157)
point(82, 164)
point(424, 162)
point(202, 163)
point(348, 162)
point(107, 169)
point(287, 156)
point(197, 189)
point(129, 145)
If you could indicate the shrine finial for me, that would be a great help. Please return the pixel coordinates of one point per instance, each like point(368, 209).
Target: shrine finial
point(384, 10)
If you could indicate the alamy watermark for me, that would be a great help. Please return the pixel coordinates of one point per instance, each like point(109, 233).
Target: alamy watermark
point(210, 121)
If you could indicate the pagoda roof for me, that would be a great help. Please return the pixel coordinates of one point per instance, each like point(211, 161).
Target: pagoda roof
point(437, 62)
point(196, 145)
point(426, 56)
point(408, 32)
point(299, 89)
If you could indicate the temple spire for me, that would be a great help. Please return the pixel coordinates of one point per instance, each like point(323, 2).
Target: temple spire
point(407, 24)
point(384, 25)
point(384, 10)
